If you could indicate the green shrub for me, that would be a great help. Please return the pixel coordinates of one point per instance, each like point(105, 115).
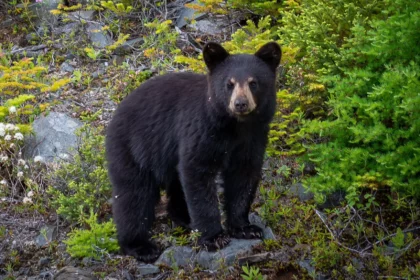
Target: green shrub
point(373, 132)
point(82, 185)
point(22, 85)
point(98, 240)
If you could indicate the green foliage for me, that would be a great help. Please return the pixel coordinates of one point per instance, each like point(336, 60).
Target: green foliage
point(373, 132)
point(82, 185)
point(260, 7)
point(160, 44)
point(251, 273)
point(119, 8)
point(95, 242)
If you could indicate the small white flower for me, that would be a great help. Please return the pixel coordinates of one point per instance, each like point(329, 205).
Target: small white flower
point(12, 145)
point(21, 162)
point(26, 166)
point(2, 125)
point(38, 159)
point(12, 109)
point(10, 126)
point(30, 194)
point(2, 131)
point(3, 182)
point(19, 136)
point(8, 137)
point(20, 174)
point(4, 158)
point(27, 200)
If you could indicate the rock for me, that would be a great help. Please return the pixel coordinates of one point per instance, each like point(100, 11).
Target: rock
point(188, 14)
point(98, 73)
point(254, 219)
point(333, 200)
point(73, 273)
point(183, 256)
point(228, 255)
point(31, 37)
point(54, 137)
point(41, 12)
point(300, 191)
point(47, 234)
point(82, 15)
point(128, 46)
point(306, 265)
point(7, 23)
point(66, 29)
point(176, 255)
point(44, 261)
point(147, 269)
point(65, 67)
point(97, 36)
point(207, 27)
point(127, 275)
point(45, 275)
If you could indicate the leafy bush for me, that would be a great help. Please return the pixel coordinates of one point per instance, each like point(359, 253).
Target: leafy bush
point(94, 242)
point(373, 133)
point(82, 185)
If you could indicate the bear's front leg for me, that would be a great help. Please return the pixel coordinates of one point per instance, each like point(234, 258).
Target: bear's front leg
point(241, 178)
point(201, 197)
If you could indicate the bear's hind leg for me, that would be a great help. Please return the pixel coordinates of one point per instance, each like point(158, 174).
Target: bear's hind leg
point(177, 206)
point(135, 198)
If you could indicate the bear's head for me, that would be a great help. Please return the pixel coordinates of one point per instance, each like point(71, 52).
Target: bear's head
point(242, 84)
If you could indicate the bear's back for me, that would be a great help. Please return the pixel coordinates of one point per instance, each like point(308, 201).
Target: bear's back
point(147, 118)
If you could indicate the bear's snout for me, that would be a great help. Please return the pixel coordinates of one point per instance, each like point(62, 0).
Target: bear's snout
point(241, 104)
point(241, 101)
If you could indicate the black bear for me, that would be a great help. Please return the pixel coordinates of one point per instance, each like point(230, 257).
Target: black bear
point(178, 131)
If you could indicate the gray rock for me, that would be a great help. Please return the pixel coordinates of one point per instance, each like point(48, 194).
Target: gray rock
point(97, 36)
point(73, 273)
point(207, 27)
point(31, 37)
point(98, 73)
point(226, 256)
point(44, 261)
point(6, 23)
point(188, 14)
point(45, 275)
point(300, 191)
point(41, 12)
point(306, 265)
point(183, 256)
point(127, 275)
point(54, 137)
point(333, 200)
point(65, 67)
point(254, 219)
point(176, 255)
point(147, 269)
point(66, 29)
point(128, 46)
point(47, 234)
point(82, 15)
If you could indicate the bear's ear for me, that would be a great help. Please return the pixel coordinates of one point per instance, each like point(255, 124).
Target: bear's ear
point(214, 54)
point(270, 53)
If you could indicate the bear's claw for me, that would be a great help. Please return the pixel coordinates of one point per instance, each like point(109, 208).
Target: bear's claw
point(246, 232)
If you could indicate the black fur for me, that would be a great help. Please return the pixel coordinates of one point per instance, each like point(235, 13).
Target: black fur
point(175, 131)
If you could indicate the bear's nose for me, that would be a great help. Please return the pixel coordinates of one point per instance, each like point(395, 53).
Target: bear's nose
point(241, 105)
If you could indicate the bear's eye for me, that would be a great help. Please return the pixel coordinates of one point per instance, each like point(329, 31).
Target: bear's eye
point(252, 85)
point(230, 85)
